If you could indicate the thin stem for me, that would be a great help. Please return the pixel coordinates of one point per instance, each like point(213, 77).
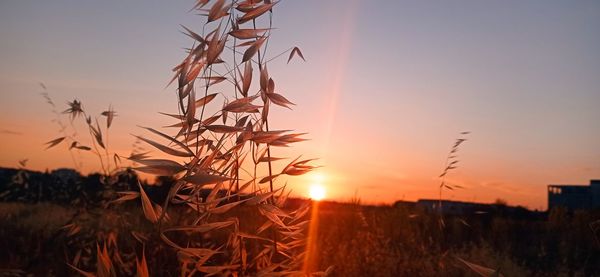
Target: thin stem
point(95, 146)
point(268, 148)
point(106, 151)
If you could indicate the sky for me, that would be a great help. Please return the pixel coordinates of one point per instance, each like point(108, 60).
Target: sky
point(386, 88)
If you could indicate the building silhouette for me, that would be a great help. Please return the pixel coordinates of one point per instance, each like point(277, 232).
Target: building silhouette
point(575, 197)
point(450, 207)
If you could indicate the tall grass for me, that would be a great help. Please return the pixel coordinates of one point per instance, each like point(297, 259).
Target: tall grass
point(223, 142)
point(357, 240)
point(98, 137)
point(450, 165)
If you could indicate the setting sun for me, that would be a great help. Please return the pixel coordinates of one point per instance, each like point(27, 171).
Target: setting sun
point(317, 192)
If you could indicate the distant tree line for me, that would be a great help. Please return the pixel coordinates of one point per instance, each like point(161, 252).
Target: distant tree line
point(69, 187)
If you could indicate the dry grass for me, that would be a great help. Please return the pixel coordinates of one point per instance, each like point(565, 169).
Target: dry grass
point(222, 142)
point(357, 240)
point(225, 149)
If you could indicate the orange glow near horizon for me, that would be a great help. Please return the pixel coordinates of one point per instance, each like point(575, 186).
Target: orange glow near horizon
point(317, 189)
point(317, 192)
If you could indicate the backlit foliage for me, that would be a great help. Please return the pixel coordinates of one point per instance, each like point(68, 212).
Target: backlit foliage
point(223, 141)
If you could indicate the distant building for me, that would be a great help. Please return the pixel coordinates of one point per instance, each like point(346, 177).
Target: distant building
point(450, 207)
point(575, 197)
point(405, 204)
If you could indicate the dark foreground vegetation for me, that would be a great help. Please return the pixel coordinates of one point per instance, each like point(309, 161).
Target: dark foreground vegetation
point(61, 219)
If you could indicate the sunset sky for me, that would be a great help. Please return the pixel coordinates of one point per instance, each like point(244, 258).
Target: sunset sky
point(387, 87)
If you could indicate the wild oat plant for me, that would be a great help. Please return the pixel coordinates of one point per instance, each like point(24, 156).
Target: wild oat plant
point(451, 164)
point(98, 141)
point(223, 145)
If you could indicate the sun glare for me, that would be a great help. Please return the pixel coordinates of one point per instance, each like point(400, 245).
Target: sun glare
point(317, 192)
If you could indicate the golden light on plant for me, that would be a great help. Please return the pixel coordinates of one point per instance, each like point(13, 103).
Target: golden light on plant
point(215, 146)
point(317, 192)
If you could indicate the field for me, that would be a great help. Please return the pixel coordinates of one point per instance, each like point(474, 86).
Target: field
point(357, 240)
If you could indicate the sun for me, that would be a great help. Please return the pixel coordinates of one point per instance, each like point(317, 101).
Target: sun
point(317, 192)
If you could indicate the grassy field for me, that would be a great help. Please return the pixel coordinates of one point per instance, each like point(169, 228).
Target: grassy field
point(357, 240)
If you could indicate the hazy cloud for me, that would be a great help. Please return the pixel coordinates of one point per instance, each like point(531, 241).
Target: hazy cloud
point(9, 132)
